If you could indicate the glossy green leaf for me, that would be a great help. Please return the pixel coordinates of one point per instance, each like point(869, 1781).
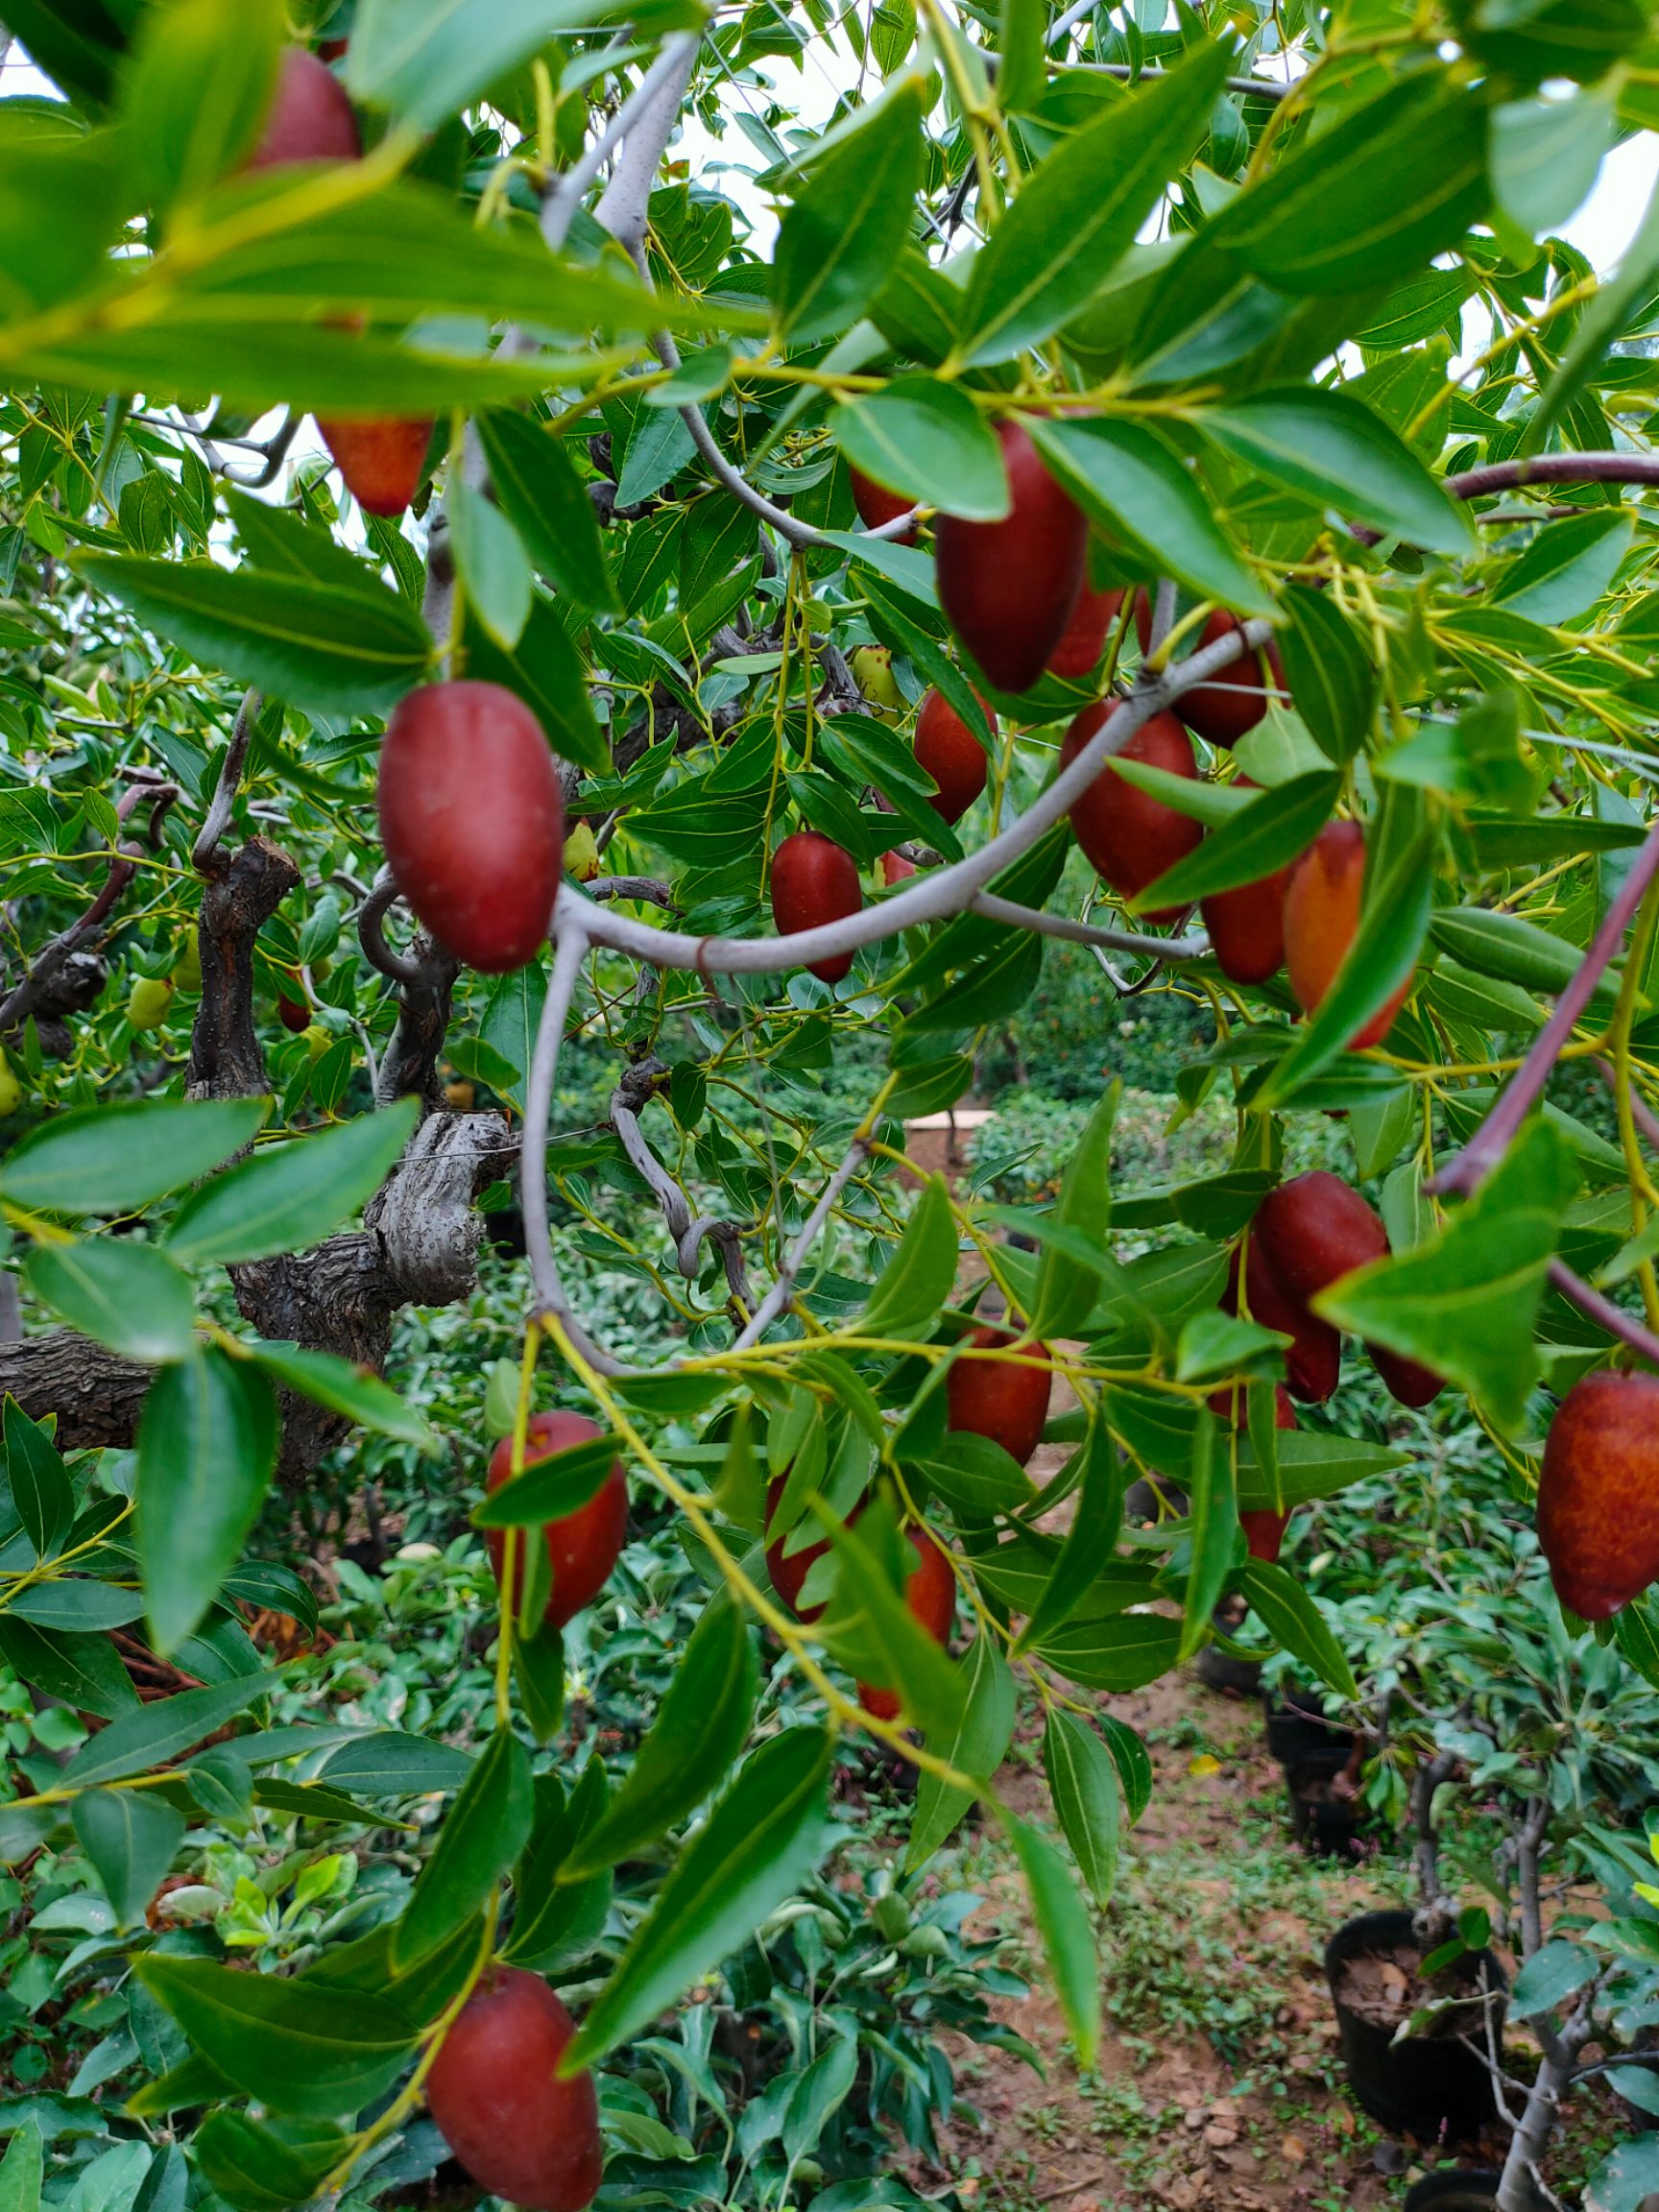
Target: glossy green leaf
point(206, 1447)
point(914, 1285)
point(536, 483)
point(548, 1489)
point(547, 672)
point(334, 1382)
point(1566, 567)
point(492, 564)
point(556, 1923)
point(485, 1828)
point(131, 1836)
point(1118, 1652)
point(426, 59)
point(871, 1630)
point(127, 1297)
point(746, 1858)
point(1067, 1937)
point(1213, 1511)
point(38, 1480)
point(1311, 1465)
point(1331, 447)
point(1080, 210)
point(390, 1764)
point(1513, 949)
point(1274, 829)
point(291, 1195)
point(1083, 1781)
point(1131, 485)
point(839, 239)
point(79, 1668)
point(701, 1726)
point(315, 646)
point(21, 2169)
point(929, 442)
point(1067, 1287)
point(157, 1734)
point(1295, 1623)
point(116, 1158)
point(977, 1746)
point(257, 2169)
point(1328, 671)
point(271, 2038)
point(1546, 155)
point(1091, 1541)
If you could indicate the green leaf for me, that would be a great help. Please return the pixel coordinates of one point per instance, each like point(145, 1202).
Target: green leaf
point(206, 1447)
point(699, 1730)
point(488, 1826)
point(1083, 1782)
point(255, 2168)
point(1626, 2179)
point(1215, 1523)
point(1263, 837)
point(291, 1195)
point(493, 564)
point(155, 1734)
point(21, 2169)
point(1080, 210)
point(1068, 1287)
point(39, 1482)
point(1328, 672)
point(1466, 1302)
point(1068, 1939)
point(1513, 949)
point(1118, 1652)
point(1021, 38)
point(334, 1382)
point(318, 647)
point(74, 1605)
point(547, 672)
point(539, 488)
point(131, 1836)
point(552, 1488)
point(929, 442)
point(392, 1763)
point(1089, 1542)
point(83, 1669)
point(426, 59)
point(1553, 1973)
point(1599, 327)
point(1331, 447)
point(914, 1285)
point(1566, 567)
point(274, 2041)
point(1546, 155)
point(1295, 1623)
point(556, 1923)
point(1317, 224)
point(839, 242)
point(746, 1858)
point(1311, 1466)
point(116, 1158)
point(1132, 487)
point(977, 1746)
point(127, 1295)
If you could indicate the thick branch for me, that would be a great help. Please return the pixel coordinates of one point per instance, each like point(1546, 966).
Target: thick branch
point(1554, 469)
point(226, 1059)
point(206, 854)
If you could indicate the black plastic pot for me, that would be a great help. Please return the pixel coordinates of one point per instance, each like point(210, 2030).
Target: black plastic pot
point(1218, 1670)
point(1325, 1826)
point(1298, 1729)
point(1430, 2086)
point(1459, 2189)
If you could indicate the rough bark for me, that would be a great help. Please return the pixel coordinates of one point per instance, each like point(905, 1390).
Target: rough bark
point(226, 1059)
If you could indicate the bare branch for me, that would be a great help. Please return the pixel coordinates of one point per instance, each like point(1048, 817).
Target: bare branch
point(33, 991)
point(672, 67)
point(226, 1059)
point(1161, 949)
point(686, 1229)
point(204, 854)
point(1555, 469)
point(1602, 1311)
point(372, 935)
point(646, 888)
point(625, 203)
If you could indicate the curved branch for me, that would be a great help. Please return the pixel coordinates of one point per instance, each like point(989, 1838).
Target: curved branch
point(204, 854)
point(671, 67)
point(686, 1229)
point(625, 203)
point(1554, 469)
point(795, 1259)
point(1161, 949)
point(409, 975)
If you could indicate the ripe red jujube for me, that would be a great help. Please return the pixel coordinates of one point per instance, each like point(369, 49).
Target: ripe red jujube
point(930, 1594)
point(876, 505)
point(1321, 914)
point(1313, 1229)
point(1598, 1493)
point(1009, 587)
point(1264, 1529)
point(309, 118)
point(814, 880)
point(999, 1398)
point(493, 2091)
point(949, 751)
point(1314, 1361)
point(1246, 925)
point(896, 869)
point(1130, 836)
point(294, 1014)
point(583, 1547)
point(472, 822)
point(1084, 638)
point(1409, 1381)
point(1230, 707)
point(380, 457)
point(787, 1569)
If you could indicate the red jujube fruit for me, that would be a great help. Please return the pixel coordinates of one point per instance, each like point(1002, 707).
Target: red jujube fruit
point(583, 1547)
point(309, 118)
point(1264, 1529)
point(814, 880)
point(1009, 587)
point(1230, 707)
point(1084, 638)
point(380, 457)
point(497, 2101)
point(949, 751)
point(930, 1594)
point(1598, 1493)
point(1130, 836)
point(1246, 925)
point(896, 869)
point(1321, 914)
point(1407, 1381)
point(294, 1014)
point(472, 822)
point(999, 1398)
point(876, 505)
point(787, 1569)
point(1314, 1361)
